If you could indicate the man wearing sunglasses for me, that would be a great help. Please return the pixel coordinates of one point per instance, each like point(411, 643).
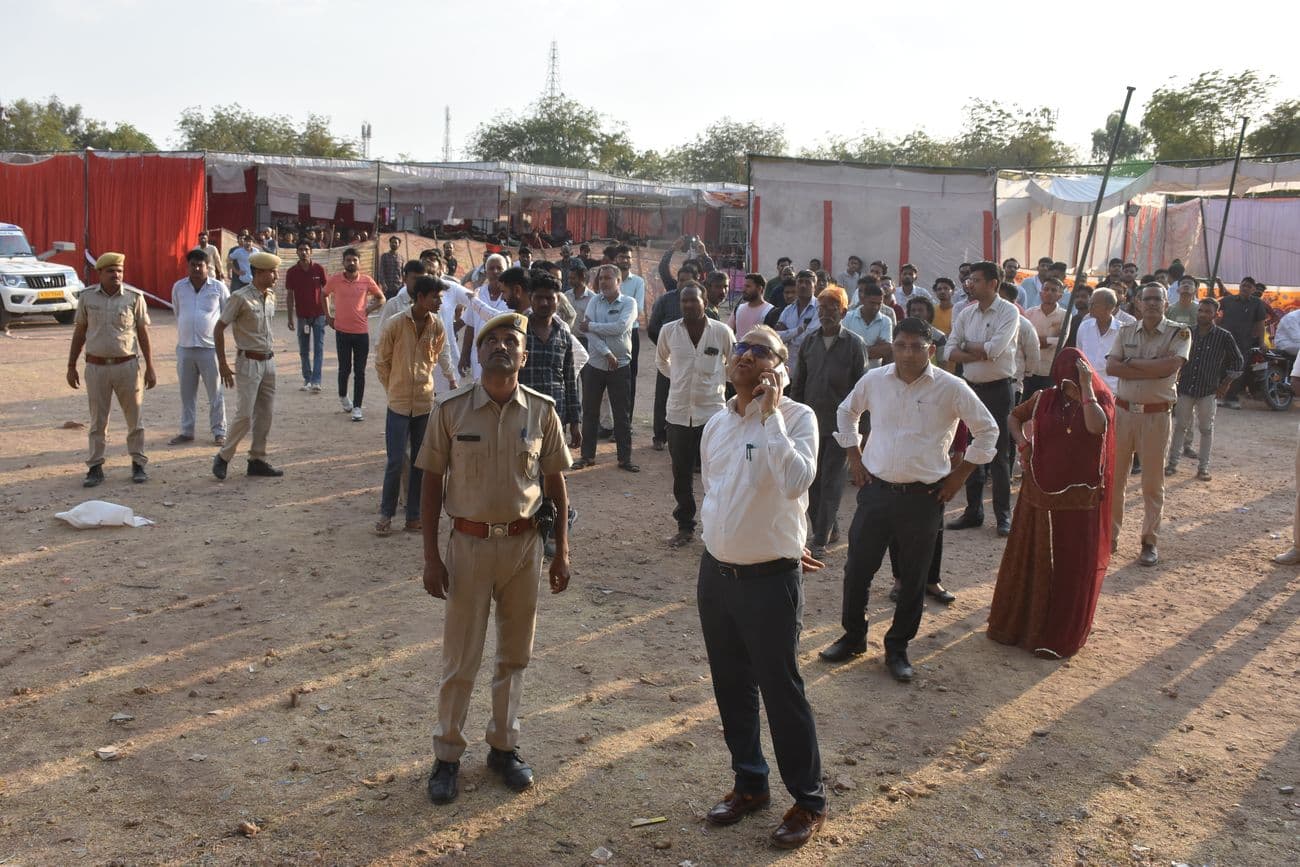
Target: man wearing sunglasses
point(1146, 358)
point(758, 458)
point(905, 477)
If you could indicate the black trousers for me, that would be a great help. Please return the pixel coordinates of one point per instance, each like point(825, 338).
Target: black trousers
point(827, 488)
point(660, 423)
point(1034, 384)
point(595, 382)
point(684, 450)
point(936, 562)
point(751, 621)
point(997, 398)
point(636, 352)
point(353, 349)
point(885, 513)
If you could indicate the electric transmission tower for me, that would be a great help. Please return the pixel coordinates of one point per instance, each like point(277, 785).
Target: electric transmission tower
point(553, 90)
point(446, 135)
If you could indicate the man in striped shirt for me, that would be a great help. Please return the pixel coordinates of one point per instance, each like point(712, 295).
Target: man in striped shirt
point(1214, 364)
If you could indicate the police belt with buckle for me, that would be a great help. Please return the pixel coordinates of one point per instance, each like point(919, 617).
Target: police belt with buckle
point(491, 531)
point(117, 359)
point(257, 356)
point(1143, 407)
point(741, 572)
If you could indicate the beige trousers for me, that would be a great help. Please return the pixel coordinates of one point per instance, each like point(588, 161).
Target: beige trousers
point(486, 571)
point(103, 381)
point(1295, 525)
point(1147, 434)
point(255, 385)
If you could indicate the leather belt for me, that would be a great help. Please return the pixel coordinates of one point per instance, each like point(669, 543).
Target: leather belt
point(753, 570)
point(991, 383)
point(905, 487)
point(492, 531)
point(117, 359)
point(1143, 407)
point(257, 356)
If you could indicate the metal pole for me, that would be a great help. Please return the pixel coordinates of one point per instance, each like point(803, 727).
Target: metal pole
point(1227, 206)
point(1096, 215)
point(1205, 240)
point(749, 213)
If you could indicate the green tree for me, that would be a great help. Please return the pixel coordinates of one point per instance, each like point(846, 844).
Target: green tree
point(917, 148)
point(1279, 133)
point(718, 153)
point(994, 134)
point(555, 131)
point(1201, 119)
point(1133, 141)
point(54, 125)
point(232, 128)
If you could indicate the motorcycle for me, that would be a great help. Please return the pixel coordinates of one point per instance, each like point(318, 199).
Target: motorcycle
point(1274, 371)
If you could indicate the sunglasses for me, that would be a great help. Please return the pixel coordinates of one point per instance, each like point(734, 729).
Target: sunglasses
point(758, 350)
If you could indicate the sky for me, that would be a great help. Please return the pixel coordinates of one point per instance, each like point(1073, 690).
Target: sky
point(818, 67)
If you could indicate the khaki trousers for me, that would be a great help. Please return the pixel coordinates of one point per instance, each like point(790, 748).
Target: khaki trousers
point(255, 385)
point(103, 381)
point(1295, 526)
point(486, 571)
point(1147, 434)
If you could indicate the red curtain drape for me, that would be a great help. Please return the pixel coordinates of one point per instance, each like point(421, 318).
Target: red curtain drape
point(149, 208)
point(234, 211)
point(47, 199)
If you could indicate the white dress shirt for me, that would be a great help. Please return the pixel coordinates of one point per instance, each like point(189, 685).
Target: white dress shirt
point(697, 373)
point(197, 312)
point(912, 445)
point(1049, 326)
point(1027, 352)
point(1095, 346)
point(1287, 336)
point(756, 477)
point(995, 331)
point(918, 291)
point(479, 310)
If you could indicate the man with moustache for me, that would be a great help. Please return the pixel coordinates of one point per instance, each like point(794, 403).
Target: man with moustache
point(304, 285)
point(350, 298)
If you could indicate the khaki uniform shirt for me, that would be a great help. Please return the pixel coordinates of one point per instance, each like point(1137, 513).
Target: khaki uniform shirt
point(111, 320)
point(250, 315)
point(1133, 341)
point(405, 359)
point(493, 456)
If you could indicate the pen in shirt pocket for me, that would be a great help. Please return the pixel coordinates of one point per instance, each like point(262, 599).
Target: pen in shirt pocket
point(749, 451)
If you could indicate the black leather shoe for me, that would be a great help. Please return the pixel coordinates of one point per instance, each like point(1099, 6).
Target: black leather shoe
point(1004, 528)
point(262, 468)
point(899, 668)
point(219, 465)
point(180, 439)
point(94, 477)
point(514, 771)
point(442, 782)
point(735, 806)
point(843, 649)
point(629, 467)
point(936, 591)
point(966, 522)
point(138, 475)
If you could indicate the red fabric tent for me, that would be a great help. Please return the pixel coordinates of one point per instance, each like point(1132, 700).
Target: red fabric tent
point(149, 207)
point(47, 198)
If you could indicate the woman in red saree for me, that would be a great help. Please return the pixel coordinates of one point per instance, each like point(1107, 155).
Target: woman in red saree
point(1059, 548)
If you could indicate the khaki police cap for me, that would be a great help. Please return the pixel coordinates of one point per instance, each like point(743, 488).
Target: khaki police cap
point(264, 261)
point(517, 321)
point(108, 260)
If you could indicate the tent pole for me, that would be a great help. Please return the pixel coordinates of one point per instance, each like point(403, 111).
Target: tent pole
point(749, 210)
point(1205, 238)
point(1227, 206)
point(1096, 215)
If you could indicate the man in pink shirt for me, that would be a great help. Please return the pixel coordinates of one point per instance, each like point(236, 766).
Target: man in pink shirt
point(350, 298)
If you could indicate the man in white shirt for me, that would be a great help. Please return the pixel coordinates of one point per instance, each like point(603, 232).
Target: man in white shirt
point(1032, 287)
point(608, 323)
point(197, 301)
point(490, 293)
point(692, 354)
point(240, 271)
point(758, 458)
point(905, 477)
point(1287, 336)
point(983, 340)
point(1097, 333)
point(754, 308)
point(1047, 319)
point(907, 288)
point(633, 286)
point(799, 318)
point(848, 278)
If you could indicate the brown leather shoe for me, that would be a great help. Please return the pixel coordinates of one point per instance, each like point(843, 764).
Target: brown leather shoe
point(732, 808)
point(798, 827)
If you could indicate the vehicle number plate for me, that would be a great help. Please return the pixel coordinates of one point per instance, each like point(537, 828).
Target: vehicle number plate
point(48, 294)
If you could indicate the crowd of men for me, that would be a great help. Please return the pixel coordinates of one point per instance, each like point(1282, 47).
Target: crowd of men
point(807, 382)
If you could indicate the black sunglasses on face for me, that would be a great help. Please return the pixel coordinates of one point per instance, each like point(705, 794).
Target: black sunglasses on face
point(758, 350)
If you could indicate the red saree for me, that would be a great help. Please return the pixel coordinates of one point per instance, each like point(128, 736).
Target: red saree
point(1059, 548)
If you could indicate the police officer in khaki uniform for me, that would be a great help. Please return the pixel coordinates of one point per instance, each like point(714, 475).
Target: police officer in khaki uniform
point(1146, 357)
point(497, 443)
point(249, 314)
point(112, 322)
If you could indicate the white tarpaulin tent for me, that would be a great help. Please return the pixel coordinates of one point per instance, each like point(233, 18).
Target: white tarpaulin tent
point(934, 218)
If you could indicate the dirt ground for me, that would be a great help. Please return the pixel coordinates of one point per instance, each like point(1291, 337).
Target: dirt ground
point(278, 666)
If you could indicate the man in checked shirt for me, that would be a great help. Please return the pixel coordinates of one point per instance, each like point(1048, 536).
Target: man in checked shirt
point(1214, 364)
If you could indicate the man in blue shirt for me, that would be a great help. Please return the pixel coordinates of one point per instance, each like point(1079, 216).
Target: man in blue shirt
point(633, 287)
point(609, 325)
point(868, 323)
